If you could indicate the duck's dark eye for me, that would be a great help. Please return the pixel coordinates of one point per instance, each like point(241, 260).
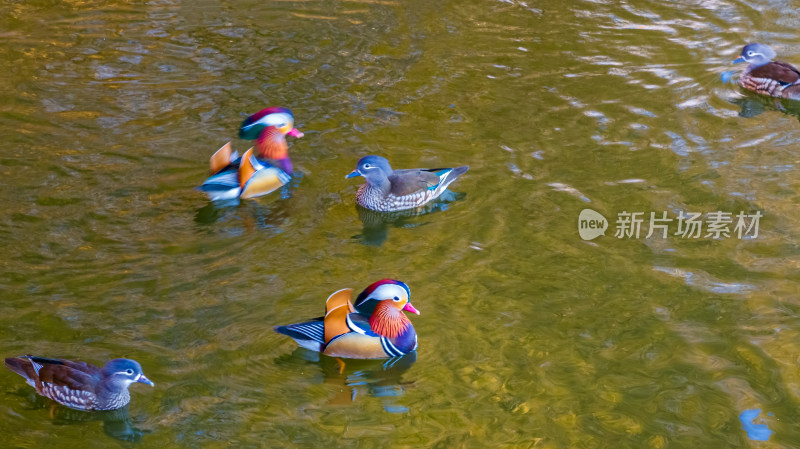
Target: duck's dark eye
point(129, 372)
point(396, 298)
point(367, 166)
point(750, 53)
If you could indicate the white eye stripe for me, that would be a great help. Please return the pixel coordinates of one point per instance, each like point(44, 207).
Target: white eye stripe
point(390, 291)
point(278, 119)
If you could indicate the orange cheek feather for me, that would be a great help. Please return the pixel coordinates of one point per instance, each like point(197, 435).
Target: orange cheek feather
point(272, 144)
point(386, 320)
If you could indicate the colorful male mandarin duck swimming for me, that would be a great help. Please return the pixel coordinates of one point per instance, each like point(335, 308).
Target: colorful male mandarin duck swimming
point(388, 190)
point(374, 328)
point(80, 385)
point(768, 77)
point(261, 169)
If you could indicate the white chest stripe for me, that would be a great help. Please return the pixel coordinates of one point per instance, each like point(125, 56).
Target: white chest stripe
point(389, 348)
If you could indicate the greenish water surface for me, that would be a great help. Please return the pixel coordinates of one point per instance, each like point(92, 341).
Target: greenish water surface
point(529, 335)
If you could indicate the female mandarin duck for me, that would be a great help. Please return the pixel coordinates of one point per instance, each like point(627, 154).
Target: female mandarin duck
point(388, 190)
point(374, 328)
point(80, 385)
point(768, 77)
point(263, 168)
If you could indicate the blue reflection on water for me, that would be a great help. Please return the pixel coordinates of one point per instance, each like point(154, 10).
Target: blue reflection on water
point(757, 432)
point(727, 76)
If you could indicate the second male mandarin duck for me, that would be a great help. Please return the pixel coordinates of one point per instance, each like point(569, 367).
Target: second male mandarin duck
point(374, 328)
point(80, 385)
point(388, 190)
point(261, 169)
point(768, 77)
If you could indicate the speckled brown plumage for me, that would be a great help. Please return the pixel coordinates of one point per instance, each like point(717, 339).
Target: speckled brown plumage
point(764, 76)
point(388, 190)
point(80, 385)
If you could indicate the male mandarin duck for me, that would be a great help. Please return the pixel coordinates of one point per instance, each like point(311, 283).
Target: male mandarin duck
point(261, 169)
point(374, 328)
point(80, 385)
point(768, 77)
point(388, 190)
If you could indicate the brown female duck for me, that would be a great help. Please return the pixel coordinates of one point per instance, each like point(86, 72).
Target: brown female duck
point(80, 385)
point(768, 77)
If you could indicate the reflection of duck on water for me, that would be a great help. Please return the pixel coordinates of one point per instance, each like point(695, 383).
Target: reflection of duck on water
point(116, 423)
point(357, 378)
point(376, 224)
point(752, 105)
point(250, 215)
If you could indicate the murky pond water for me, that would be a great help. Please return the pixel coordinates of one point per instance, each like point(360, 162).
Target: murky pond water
point(529, 335)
